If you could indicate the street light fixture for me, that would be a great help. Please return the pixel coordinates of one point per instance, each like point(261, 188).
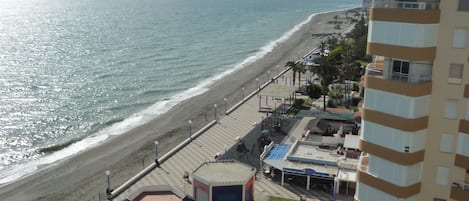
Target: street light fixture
point(190, 129)
point(156, 154)
point(215, 111)
point(257, 81)
point(224, 100)
point(242, 92)
point(108, 177)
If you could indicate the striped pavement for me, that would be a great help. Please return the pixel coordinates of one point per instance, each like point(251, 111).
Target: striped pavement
point(240, 122)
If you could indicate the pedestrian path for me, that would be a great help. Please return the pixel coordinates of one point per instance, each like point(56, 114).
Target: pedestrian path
point(221, 136)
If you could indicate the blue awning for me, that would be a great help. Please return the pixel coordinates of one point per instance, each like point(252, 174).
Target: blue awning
point(276, 155)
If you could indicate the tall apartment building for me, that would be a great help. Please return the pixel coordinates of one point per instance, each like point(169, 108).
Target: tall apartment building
point(415, 128)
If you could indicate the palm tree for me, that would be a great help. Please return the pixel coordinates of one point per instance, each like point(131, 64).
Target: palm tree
point(297, 67)
point(301, 69)
point(325, 68)
point(292, 65)
point(335, 93)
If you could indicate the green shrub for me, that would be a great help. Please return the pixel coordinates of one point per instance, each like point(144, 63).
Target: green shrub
point(314, 91)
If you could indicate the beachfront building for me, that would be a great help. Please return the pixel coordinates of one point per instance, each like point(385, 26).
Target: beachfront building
point(223, 180)
point(415, 126)
point(327, 163)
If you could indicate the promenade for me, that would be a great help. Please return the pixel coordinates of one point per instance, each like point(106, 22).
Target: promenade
point(244, 122)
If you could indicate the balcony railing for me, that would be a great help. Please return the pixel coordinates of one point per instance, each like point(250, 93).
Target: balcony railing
point(406, 5)
point(363, 162)
point(461, 185)
point(402, 77)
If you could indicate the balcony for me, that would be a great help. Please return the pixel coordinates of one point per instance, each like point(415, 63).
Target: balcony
point(402, 158)
point(406, 5)
point(466, 91)
point(459, 191)
point(461, 161)
point(413, 85)
point(400, 192)
point(405, 12)
point(464, 126)
point(363, 162)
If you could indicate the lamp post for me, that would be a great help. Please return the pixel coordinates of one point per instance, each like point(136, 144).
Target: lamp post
point(283, 99)
point(190, 128)
point(242, 92)
point(108, 177)
point(156, 154)
point(215, 111)
point(224, 100)
point(268, 75)
point(335, 188)
point(257, 81)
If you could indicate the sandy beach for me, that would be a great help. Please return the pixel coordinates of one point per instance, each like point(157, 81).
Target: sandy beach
point(82, 177)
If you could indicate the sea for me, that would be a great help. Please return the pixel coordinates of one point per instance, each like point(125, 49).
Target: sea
point(74, 73)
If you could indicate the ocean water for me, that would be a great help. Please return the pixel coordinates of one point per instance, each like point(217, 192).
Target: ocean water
point(73, 73)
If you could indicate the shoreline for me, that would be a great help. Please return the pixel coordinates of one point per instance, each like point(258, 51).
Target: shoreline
point(82, 177)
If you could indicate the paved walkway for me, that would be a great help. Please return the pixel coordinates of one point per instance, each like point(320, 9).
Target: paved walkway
point(241, 122)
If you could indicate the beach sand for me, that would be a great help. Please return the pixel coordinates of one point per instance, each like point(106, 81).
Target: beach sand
point(82, 177)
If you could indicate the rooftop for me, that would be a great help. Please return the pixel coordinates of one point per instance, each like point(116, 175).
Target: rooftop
point(311, 152)
point(158, 193)
point(224, 172)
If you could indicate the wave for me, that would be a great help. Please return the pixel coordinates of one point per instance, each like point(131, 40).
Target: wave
point(57, 147)
point(67, 149)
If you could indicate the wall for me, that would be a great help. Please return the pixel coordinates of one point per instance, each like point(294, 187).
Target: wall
point(392, 138)
point(395, 104)
point(394, 173)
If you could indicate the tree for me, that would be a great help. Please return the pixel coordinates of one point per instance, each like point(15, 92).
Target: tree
point(325, 68)
point(359, 35)
point(314, 91)
point(301, 69)
point(335, 93)
point(297, 67)
point(292, 65)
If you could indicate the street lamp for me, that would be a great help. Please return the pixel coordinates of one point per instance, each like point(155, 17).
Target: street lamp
point(215, 113)
point(283, 99)
point(257, 81)
point(156, 154)
point(108, 177)
point(190, 128)
point(268, 75)
point(224, 100)
point(242, 92)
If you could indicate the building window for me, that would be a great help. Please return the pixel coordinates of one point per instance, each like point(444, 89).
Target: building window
point(400, 70)
point(463, 5)
point(446, 143)
point(442, 174)
point(455, 73)
point(467, 111)
point(460, 38)
point(451, 109)
point(462, 148)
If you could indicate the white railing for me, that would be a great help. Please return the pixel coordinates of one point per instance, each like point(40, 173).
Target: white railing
point(406, 5)
point(403, 77)
point(461, 185)
point(361, 166)
point(371, 70)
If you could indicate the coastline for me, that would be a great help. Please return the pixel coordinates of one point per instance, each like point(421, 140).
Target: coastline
point(82, 177)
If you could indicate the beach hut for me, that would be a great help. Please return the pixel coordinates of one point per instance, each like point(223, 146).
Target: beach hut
point(223, 180)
